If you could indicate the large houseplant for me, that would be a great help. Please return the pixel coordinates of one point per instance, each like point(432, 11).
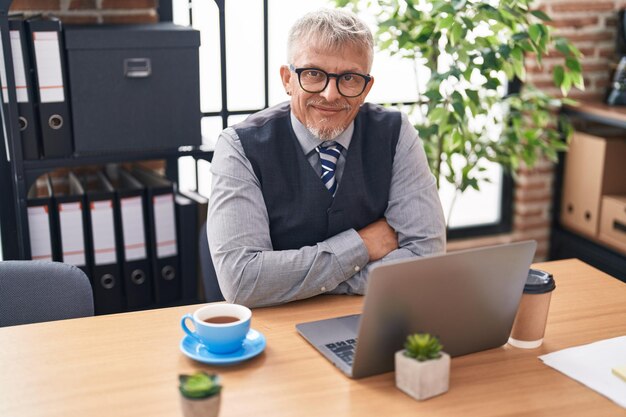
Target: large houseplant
point(474, 50)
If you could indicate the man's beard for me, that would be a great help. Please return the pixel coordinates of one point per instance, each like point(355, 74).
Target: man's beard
point(324, 133)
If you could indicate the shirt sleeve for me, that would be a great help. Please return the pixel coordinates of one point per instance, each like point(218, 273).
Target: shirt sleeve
point(249, 271)
point(414, 210)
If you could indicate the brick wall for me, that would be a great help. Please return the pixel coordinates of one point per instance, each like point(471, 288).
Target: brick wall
point(592, 27)
point(92, 11)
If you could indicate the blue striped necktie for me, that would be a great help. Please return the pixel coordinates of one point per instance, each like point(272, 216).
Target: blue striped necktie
point(329, 153)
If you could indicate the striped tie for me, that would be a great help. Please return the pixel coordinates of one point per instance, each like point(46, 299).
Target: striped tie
point(329, 153)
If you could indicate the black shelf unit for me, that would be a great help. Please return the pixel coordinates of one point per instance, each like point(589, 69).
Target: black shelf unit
point(17, 175)
point(565, 243)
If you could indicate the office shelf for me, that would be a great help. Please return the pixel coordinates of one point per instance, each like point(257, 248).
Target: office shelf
point(565, 243)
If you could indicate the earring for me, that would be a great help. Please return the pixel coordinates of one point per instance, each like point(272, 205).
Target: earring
point(288, 93)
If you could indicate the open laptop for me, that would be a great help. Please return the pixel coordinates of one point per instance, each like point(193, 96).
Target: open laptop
point(468, 299)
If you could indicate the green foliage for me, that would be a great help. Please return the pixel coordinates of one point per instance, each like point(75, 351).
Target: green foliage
point(422, 346)
point(199, 385)
point(472, 49)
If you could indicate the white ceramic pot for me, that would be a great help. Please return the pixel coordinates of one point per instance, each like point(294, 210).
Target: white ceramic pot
point(205, 407)
point(422, 380)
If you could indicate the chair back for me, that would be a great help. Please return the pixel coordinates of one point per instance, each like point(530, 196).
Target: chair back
point(36, 291)
point(212, 291)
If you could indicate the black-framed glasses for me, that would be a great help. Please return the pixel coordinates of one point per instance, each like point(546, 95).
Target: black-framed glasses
point(315, 80)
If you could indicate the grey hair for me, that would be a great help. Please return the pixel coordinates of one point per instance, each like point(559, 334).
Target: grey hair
point(330, 29)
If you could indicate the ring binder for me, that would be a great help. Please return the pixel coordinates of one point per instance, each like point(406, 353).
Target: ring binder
point(29, 128)
point(162, 226)
point(51, 76)
point(130, 224)
point(102, 245)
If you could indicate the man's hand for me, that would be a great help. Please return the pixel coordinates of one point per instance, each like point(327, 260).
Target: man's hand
point(379, 239)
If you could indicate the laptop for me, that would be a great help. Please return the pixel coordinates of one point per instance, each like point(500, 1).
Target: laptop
point(468, 299)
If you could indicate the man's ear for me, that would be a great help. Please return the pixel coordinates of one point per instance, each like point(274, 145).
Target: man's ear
point(285, 76)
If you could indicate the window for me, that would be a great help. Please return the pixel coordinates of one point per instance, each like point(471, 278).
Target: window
point(243, 34)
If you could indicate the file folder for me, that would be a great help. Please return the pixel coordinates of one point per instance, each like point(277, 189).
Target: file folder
point(187, 224)
point(202, 204)
point(162, 231)
point(51, 86)
point(69, 200)
point(41, 230)
point(102, 246)
point(28, 123)
point(132, 240)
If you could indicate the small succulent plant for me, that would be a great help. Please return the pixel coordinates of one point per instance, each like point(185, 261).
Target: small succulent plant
point(199, 385)
point(422, 346)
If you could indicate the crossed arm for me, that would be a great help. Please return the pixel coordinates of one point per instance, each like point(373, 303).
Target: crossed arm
point(250, 272)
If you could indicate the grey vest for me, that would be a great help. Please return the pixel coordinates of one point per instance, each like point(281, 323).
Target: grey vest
point(301, 210)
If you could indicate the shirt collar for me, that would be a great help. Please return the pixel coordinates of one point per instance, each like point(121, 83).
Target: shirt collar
point(308, 142)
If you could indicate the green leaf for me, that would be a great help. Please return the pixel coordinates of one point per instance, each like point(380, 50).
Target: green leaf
point(558, 75)
point(446, 22)
point(541, 15)
point(577, 80)
point(459, 109)
point(566, 85)
point(438, 115)
point(473, 96)
point(573, 64)
point(456, 33)
point(535, 33)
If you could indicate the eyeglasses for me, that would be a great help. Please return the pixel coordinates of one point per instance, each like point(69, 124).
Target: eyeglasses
point(315, 80)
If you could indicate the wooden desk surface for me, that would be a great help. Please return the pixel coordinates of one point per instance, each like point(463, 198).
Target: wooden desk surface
point(127, 365)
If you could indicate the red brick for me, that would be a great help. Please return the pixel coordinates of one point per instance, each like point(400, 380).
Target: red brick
point(583, 7)
point(35, 5)
point(607, 53)
point(595, 67)
point(591, 37)
point(129, 4)
point(587, 95)
point(533, 186)
point(83, 4)
point(601, 84)
point(529, 199)
point(532, 225)
point(130, 18)
point(578, 22)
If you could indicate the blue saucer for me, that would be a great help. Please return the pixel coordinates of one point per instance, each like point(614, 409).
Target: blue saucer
point(252, 346)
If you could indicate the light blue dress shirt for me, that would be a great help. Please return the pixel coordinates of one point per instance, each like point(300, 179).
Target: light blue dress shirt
point(250, 272)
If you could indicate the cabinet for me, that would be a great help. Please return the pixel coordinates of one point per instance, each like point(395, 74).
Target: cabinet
point(18, 174)
point(599, 119)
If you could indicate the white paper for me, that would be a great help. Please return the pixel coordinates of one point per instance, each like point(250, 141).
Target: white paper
point(18, 67)
point(72, 238)
point(103, 230)
point(133, 225)
point(39, 233)
point(591, 365)
point(165, 225)
point(48, 61)
point(19, 73)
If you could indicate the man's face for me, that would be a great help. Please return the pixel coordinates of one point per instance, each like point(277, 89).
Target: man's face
point(328, 113)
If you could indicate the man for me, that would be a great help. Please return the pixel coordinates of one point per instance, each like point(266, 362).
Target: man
point(308, 195)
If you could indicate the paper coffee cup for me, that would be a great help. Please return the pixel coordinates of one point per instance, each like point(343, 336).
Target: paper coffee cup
point(530, 322)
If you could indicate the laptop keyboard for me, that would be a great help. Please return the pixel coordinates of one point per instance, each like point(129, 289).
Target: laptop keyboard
point(343, 349)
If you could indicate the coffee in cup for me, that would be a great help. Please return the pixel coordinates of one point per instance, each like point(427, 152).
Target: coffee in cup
point(530, 322)
point(220, 327)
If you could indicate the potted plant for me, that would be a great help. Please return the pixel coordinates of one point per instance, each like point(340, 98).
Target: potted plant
point(422, 369)
point(200, 394)
point(471, 52)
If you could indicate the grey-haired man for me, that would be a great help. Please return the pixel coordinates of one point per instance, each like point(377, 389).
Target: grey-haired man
point(308, 195)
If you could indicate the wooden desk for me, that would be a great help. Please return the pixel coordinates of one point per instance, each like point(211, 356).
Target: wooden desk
point(127, 365)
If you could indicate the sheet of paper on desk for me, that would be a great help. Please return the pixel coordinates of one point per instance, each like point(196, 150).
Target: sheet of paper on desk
point(591, 365)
